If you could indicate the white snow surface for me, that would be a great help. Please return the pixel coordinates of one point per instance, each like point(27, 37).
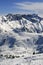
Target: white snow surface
point(29, 60)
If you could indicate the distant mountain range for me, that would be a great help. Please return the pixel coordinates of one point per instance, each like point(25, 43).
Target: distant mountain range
point(16, 30)
point(30, 23)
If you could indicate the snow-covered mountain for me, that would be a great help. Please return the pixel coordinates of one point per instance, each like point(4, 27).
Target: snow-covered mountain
point(21, 31)
point(29, 23)
point(21, 39)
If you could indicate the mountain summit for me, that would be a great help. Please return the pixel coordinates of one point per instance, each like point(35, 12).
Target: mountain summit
point(30, 23)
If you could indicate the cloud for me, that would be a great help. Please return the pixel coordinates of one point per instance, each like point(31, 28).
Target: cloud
point(31, 6)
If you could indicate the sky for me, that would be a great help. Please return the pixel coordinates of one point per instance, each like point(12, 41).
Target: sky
point(21, 6)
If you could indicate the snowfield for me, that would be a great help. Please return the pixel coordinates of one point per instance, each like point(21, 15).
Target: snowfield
point(29, 60)
point(21, 39)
